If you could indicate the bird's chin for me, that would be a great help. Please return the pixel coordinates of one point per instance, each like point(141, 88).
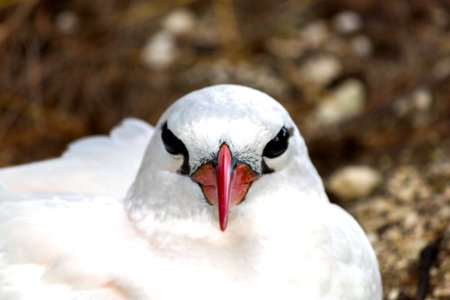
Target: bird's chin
point(243, 177)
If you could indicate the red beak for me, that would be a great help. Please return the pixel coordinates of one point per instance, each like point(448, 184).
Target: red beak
point(227, 185)
point(224, 178)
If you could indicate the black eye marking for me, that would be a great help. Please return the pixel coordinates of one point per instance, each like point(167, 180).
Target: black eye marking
point(278, 144)
point(175, 146)
point(172, 144)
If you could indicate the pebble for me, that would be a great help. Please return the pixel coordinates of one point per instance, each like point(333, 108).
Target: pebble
point(394, 294)
point(261, 77)
point(321, 69)
point(402, 106)
point(160, 50)
point(444, 213)
point(346, 101)
point(286, 48)
point(180, 21)
point(67, 22)
point(439, 16)
point(314, 34)
point(394, 234)
point(442, 292)
point(422, 99)
point(354, 182)
point(411, 220)
point(442, 68)
point(415, 105)
point(347, 22)
point(361, 45)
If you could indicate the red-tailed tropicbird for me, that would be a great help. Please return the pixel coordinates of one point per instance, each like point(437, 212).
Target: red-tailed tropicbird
point(218, 201)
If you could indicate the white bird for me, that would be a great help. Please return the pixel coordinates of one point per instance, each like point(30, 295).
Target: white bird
point(219, 201)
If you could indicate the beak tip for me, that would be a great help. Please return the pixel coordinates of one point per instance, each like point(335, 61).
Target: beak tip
point(223, 226)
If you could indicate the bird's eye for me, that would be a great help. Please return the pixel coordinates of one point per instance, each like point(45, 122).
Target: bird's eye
point(172, 144)
point(277, 145)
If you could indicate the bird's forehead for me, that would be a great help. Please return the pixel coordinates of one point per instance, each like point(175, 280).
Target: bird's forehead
point(244, 118)
point(226, 110)
point(238, 133)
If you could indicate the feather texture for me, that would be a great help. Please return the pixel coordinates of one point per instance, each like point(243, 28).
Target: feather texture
point(100, 165)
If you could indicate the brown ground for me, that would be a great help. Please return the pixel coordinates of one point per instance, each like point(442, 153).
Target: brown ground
point(73, 68)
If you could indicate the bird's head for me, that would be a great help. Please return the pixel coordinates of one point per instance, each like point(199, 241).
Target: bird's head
point(216, 148)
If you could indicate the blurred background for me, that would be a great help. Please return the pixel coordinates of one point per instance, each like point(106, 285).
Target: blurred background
point(367, 82)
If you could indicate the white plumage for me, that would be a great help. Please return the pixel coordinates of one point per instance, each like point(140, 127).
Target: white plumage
point(120, 217)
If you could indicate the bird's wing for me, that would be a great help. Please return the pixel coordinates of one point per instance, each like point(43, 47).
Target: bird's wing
point(99, 165)
point(357, 275)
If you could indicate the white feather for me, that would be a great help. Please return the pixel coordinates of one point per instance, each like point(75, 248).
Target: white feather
point(100, 165)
